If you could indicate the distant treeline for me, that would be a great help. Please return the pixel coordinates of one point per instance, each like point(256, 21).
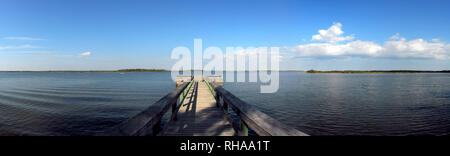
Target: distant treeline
point(99, 71)
point(142, 70)
point(376, 71)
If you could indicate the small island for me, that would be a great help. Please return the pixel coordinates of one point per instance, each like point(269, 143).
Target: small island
point(374, 71)
point(142, 70)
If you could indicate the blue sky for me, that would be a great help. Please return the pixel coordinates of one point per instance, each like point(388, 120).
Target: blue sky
point(113, 34)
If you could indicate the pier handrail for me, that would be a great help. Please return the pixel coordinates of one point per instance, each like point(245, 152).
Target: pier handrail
point(250, 117)
point(149, 120)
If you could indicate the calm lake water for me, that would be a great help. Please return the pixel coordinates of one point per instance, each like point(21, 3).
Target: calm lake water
point(317, 104)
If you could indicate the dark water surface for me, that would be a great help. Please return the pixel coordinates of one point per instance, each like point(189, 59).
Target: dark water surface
point(75, 103)
point(356, 104)
point(317, 104)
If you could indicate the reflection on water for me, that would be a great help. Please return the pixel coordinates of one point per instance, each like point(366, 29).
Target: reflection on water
point(74, 103)
point(318, 104)
point(357, 104)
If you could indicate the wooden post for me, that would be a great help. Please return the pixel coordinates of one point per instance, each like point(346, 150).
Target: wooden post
point(174, 111)
point(217, 99)
point(225, 111)
point(244, 129)
point(156, 128)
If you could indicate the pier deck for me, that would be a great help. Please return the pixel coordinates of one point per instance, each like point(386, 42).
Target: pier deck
point(199, 116)
point(200, 106)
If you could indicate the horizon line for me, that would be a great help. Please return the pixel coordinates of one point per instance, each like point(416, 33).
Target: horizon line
point(164, 70)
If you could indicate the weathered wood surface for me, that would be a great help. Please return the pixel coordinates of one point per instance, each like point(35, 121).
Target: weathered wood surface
point(142, 123)
point(258, 121)
point(199, 116)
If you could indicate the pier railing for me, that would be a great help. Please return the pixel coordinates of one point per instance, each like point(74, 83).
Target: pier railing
point(148, 122)
point(249, 117)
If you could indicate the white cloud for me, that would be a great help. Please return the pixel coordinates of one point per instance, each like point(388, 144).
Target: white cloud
point(34, 52)
point(395, 37)
point(25, 46)
point(23, 38)
point(418, 48)
point(397, 47)
point(332, 34)
point(328, 49)
point(85, 54)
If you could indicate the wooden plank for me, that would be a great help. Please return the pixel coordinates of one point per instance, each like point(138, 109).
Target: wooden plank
point(200, 117)
point(258, 121)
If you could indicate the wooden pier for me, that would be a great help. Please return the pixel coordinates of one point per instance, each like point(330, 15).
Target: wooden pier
point(200, 106)
point(199, 116)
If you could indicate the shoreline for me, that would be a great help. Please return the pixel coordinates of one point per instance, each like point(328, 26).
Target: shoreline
point(309, 71)
point(96, 71)
point(129, 71)
point(375, 71)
